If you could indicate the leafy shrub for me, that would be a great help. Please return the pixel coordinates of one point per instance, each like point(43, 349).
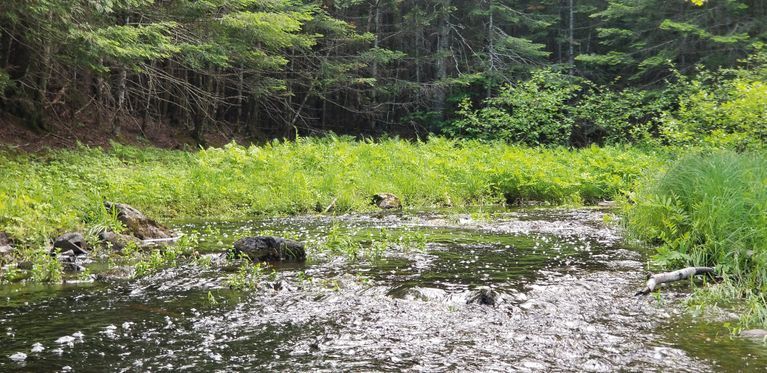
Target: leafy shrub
point(533, 112)
point(727, 109)
point(723, 109)
point(607, 116)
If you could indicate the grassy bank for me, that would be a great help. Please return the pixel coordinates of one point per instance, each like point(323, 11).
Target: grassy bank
point(44, 194)
point(711, 210)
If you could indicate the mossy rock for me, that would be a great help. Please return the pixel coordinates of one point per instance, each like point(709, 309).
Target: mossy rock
point(387, 201)
point(269, 249)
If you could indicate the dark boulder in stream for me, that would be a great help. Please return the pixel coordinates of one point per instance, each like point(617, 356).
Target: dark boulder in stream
point(137, 223)
point(387, 201)
point(483, 295)
point(71, 243)
point(267, 249)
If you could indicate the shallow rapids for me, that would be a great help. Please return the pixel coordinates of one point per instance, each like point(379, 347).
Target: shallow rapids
point(565, 280)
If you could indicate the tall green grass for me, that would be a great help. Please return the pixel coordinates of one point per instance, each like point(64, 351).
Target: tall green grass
point(47, 193)
point(711, 209)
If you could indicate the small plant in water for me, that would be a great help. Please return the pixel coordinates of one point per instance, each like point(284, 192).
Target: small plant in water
point(188, 242)
point(481, 216)
point(339, 242)
point(157, 260)
point(211, 299)
point(131, 249)
point(414, 240)
point(302, 277)
point(332, 284)
point(406, 240)
point(85, 275)
point(247, 276)
point(204, 261)
point(12, 273)
point(46, 268)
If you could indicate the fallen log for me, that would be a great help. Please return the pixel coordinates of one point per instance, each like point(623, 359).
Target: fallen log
point(681, 274)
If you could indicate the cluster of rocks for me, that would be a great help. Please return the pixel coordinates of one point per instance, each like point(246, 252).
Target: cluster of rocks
point(142, 231)
point(72, 247)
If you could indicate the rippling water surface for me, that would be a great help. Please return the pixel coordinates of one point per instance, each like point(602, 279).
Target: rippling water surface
point(565, 281)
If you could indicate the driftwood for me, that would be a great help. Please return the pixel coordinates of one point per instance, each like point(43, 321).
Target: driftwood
point(158, 241)
point(331, 206)
point(681, 274)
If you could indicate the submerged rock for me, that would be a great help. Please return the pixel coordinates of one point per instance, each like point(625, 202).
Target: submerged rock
point(116, 241)
point(18, 357)
point(387, 201)
point(74, 242)
point(137, 223)
point(420, 293)
point(121, 273)
point(483, 295)
point(756, 334)
point(267, 248)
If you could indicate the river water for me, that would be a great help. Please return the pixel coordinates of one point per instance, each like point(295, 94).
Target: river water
point(565, 281)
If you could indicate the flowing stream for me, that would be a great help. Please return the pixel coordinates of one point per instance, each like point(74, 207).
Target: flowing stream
point(565, 280)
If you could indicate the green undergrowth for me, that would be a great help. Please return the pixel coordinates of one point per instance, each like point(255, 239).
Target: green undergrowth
point(44, 194)
point(371, 244)
point(710, 209)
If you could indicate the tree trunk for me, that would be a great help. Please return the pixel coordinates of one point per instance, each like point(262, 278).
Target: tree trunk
point(41, 92)
point(240, 98)
point(570, 50)
point(443, 51)
point(122, 78)
point(374, 65)
point(490, 46)
point(418, 43)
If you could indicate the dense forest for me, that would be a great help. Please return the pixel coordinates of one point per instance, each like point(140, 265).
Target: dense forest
point(281, 68)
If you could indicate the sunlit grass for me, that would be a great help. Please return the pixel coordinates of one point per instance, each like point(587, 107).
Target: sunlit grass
point(44, 194)
point(711, 210)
